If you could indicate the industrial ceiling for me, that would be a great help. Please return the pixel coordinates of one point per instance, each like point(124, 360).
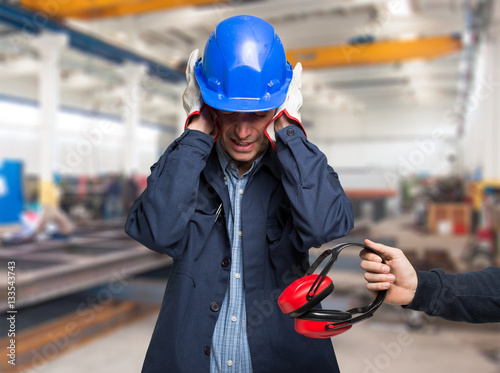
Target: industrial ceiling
point(358, 55)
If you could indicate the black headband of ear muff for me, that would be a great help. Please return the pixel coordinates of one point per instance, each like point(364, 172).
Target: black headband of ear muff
point(364, 312)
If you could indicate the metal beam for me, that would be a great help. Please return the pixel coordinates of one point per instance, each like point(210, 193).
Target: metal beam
point(55, 269)
point(381, 52)
point(93, 9)
point(30, 23)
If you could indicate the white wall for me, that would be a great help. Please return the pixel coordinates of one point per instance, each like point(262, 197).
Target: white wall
point(86, 146)
point(392, 143)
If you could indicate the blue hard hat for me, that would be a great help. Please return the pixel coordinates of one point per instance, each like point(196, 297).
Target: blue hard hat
point(244, 67)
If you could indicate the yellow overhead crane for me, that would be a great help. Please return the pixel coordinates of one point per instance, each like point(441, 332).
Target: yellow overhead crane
point(92, 9)
point(377, 52)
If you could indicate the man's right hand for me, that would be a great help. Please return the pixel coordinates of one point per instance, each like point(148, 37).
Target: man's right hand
point(191, 98)
point(199, 117)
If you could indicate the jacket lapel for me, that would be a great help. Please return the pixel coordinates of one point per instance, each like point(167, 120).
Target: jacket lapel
point(215, 178)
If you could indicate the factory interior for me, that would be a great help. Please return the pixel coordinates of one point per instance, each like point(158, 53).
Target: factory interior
point(402, 96)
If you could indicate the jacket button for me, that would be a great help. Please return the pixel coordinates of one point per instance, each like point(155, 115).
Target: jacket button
point(214, 306)
point(226, 262)
point(290, 132)
point(206, 350)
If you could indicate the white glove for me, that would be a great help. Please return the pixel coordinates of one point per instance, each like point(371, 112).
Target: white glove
point(191, 98)
point(293, 103)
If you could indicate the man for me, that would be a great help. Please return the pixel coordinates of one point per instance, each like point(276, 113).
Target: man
point(472, 297)
point(237, 201)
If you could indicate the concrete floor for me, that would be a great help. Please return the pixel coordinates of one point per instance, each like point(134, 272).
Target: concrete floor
point(119, 352)
point(370, 347)
point(382, 344)
point(375, 347)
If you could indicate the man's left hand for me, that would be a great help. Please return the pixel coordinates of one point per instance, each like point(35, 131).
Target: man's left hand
point(289, 112)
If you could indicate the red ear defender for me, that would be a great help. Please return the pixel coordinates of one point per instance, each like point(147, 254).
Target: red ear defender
point(301, 296)
point(297, 298)
point(320, 329)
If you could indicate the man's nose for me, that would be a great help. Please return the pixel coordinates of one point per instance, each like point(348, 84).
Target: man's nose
point(244, 125)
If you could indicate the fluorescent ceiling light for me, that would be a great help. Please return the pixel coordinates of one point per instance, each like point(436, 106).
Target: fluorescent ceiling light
point(400, 7)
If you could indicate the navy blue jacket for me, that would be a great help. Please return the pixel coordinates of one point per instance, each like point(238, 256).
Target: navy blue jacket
point(293, 202)
point(472, 297)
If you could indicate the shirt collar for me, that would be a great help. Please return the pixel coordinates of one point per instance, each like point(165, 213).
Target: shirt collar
point(225, 160)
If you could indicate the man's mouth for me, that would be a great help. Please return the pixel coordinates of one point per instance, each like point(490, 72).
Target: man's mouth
point(242, 145)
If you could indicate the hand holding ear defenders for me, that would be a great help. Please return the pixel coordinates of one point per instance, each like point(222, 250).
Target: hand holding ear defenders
point(299, 298)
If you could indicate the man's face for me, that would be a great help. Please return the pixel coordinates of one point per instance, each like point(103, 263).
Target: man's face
point(242, 135)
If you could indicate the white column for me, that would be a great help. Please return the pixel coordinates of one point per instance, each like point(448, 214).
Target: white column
point(49, 47)
point(491, 87)
point(133, 96)
point(483, 131)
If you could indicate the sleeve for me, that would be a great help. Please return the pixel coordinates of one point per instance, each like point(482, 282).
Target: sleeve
point(158, 218)
point(472, 297)
point(320, 208)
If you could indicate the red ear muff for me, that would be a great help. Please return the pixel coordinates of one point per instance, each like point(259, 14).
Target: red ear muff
point(320, 329)
point(298, 298)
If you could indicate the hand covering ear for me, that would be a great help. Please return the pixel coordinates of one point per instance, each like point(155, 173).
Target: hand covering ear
point(191, 98)
point(292, 105)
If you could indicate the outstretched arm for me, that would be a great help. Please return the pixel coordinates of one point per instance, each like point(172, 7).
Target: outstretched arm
point(472, 297)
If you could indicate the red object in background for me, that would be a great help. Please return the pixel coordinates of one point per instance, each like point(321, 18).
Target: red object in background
point(484, 234)
point(459, 229)
point(82, 186)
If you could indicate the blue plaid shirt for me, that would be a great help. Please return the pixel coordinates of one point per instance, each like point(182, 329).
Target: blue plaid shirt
point(230, 350)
